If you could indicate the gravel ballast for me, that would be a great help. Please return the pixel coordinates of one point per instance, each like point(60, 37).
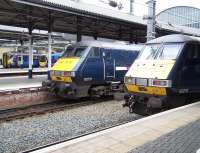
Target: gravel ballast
point(31, 132)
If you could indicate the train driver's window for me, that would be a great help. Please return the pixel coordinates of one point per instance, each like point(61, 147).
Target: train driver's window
point(94, 52)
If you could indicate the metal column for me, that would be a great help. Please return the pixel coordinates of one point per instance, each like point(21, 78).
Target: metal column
point(22, 50)
point(131, 7)
point(151, 19)
point(79, 29)
point(49, 54)
point(78, 36)
point(50, 26)
point(30, 69)
point(95, 37)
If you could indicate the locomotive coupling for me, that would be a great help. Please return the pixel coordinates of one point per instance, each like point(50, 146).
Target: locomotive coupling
point(46, 83)
point(128, 99)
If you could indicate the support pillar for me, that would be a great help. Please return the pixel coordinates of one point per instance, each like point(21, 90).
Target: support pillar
point(49, 54)
point(151, 20)
point(131, 36)
point(120, 33)
point(79, 33)
point(95, 37)
point(22, 50)
point(79, 36)
point(131, 7)
point(50, 23)
point(30, 69)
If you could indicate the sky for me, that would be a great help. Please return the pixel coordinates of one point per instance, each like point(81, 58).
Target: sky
point(140, 7)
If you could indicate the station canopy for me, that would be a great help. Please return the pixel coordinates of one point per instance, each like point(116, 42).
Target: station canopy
point(73, 18)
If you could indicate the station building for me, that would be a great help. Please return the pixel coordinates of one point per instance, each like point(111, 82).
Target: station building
point(181, 15)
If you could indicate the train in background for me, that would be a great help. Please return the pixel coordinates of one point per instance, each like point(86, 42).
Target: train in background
point(165, 75)
point(21, 60)
point(91, 68)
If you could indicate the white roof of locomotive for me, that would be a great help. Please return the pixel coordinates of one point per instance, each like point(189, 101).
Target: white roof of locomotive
point(114, 45)
point(174, 38)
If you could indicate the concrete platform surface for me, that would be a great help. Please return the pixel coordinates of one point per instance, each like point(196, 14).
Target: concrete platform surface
point(18, 70)
point(14, 83)
point(185, 139)
point(130, 136)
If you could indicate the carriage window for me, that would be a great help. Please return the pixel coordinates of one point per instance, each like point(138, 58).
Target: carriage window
point(94, 52)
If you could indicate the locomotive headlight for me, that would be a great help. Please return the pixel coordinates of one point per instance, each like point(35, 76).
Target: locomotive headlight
point(129, 80)
point(52, 73)
point(68, 74)
point(160, 83)
point(72, 74)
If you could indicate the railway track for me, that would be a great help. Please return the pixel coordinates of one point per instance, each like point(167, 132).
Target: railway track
point(59, 105)
point(79, 136)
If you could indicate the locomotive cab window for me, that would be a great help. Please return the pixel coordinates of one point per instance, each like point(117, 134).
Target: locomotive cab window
point(170, 51)
point(94, 52)
point(68, 51)
point(75, 51)
point(161, 51)
point(43, 58)
point(149, 52)
point(79, 51)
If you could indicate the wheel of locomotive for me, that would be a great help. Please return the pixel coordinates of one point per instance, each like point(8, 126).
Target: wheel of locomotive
point(139, 108)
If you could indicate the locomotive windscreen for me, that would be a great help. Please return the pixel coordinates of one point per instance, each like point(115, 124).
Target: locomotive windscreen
point(73, 51)
point(160, 51)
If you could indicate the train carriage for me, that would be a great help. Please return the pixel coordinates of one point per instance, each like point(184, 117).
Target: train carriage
point(89, 68)
point(21, 60)
point(165, 75)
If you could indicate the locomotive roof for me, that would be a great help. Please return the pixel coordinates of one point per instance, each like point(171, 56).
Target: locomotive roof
point(174, 38)
point(114, 45)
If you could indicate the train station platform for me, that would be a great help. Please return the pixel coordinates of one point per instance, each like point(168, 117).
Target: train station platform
point(18, 82)
point(18, 71)
point(173, 131)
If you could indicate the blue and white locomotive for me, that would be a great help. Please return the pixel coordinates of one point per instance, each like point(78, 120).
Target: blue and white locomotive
point(92, 68)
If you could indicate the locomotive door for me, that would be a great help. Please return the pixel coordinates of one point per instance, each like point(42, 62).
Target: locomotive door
point(109, 65)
